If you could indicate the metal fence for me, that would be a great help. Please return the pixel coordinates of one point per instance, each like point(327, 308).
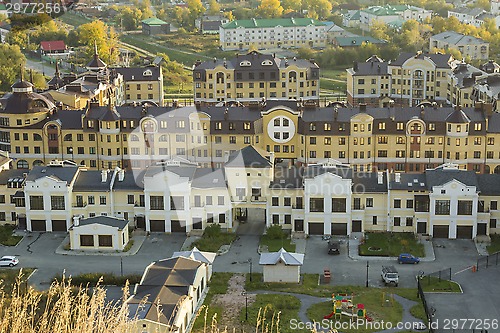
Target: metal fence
point(485, 262)
point(429, 313)
point(436, 277)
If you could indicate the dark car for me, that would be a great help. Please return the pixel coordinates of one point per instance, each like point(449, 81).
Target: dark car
point(333, 247)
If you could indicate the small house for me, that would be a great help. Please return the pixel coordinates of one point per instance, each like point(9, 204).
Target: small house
point(281, 266)
point(99, 233)
point(155, 26)
point(51, 47)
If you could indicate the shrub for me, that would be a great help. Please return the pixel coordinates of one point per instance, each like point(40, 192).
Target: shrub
point(212, 231)
point(275, 232)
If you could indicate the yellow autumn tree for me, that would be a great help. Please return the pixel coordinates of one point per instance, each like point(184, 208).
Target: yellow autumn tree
point(270, 8)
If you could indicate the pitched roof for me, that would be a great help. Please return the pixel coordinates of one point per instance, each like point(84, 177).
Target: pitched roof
point(195, 254)
point(442, 175)
point(104, 220)
point(270, 23)
point(247, 157)
point(151, 73)
point(209, 178)
point(53, 45)
point(282, 256)
point(439, 59)
point(457, 117)
point(63, 173)
point(456, 38)
point(172, 272)
point(153, 21)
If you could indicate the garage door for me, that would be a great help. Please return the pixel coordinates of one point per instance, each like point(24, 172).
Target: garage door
point(339, 228)
point(59, 225)
point(440, 231)
point(316, 229)
point(464, 232)
point(157, 225)
point(38, 225)
point(356, 226)
point(178, 226)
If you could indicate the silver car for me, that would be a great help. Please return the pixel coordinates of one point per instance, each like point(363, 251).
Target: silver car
point(10, 261)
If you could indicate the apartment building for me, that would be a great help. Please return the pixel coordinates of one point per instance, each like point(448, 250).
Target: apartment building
point(461, 83)
point(409, 80)
point(326, 198)
point(487, 89)
point(467, 15)
point(469, 46)
point(272, 33)
point(391, 13)
point(253, 77)
point(142, 84)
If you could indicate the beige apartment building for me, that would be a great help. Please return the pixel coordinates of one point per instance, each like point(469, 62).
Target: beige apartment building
point(254, 76)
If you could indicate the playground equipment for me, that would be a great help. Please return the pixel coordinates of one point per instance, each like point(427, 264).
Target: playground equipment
point(343, 306)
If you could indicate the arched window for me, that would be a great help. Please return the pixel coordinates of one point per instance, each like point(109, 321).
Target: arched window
point(37, 137)
point(68, 137)
point(37, 162)
point(134, 137)
point(22, 164)
point(163, 138)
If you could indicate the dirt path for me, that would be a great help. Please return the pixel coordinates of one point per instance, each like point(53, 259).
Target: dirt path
point(233, 302)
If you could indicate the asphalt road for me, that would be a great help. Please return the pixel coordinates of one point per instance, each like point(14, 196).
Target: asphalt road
point(40, 67)
point(457, 254)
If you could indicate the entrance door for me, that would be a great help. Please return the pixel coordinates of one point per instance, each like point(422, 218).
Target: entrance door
point(197, 224)
point(141, 222)
point(356, 226)
point(421, 227)
point(299, 225)
point(481, 229)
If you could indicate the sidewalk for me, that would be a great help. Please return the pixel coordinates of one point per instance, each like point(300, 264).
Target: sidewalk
point(138, 241)
point(353, 250)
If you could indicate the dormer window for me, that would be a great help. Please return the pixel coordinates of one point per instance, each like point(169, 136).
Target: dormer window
point(267, 63)
point(147, 72)
point(245, 63)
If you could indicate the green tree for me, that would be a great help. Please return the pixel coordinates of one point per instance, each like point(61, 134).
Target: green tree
point(270, 8)
point(380, 30)
point(305, 53)
point(103, 36)
point(196, 10)
point(213, 7)
point(11, 60)
point(292, 5)
point(318, 9)
point(129, 17)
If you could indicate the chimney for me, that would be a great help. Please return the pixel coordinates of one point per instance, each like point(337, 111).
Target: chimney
point(121, 175)
point(380, 177)
point(271, 158)
point(362, 107)
point(76, 221)
point(397, 177)
point(104, 176)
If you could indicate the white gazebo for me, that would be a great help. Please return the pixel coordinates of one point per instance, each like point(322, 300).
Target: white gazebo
point(281, 266)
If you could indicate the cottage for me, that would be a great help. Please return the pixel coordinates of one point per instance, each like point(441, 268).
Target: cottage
point(281, 266)
point(155, 26)
point(52, 47)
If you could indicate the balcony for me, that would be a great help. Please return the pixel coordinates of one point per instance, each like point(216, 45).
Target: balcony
point(358, 207)
point(257, 199)
point(79, 205)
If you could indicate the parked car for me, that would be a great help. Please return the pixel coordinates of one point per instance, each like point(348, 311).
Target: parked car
point(390, 275)
point(10, 261)
point(333, 247)
point(406, 258)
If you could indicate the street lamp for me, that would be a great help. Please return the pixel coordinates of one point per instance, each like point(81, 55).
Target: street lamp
point(121, 266)
point(71, 152)
point(250, 262)
point(244, 293)
point(367, 266)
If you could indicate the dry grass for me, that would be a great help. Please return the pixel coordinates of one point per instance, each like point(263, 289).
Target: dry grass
point(62, 309)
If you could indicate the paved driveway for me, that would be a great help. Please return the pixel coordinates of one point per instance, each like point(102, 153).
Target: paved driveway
point(49, 264)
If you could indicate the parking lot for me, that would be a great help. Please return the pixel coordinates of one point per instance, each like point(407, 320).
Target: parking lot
point(457, 254)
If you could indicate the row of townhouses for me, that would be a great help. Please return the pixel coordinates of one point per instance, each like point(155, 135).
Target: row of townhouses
point(326, 198)
point(407, 139)
point(414, 79)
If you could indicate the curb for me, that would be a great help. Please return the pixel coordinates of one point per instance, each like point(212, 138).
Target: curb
point(112, 253)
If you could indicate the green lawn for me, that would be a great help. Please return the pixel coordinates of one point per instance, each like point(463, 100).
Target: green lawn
point(213, 238)
point(391, 244)
point(274, 245)
point(218, 285)
point(372, 299)
point(433, 284)
point(418, 311)
point(272, 312)
point(6, 236)
point(495, 244)
point(74, 19)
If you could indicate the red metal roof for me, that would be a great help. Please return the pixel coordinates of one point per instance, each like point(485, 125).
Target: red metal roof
point(53, 45)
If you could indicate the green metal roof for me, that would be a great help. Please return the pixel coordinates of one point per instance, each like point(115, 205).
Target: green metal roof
point(153, 21)
point(271, 23)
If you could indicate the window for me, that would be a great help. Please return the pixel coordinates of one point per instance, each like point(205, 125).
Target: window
point(374, 220)
point(130, 199)
point(106, 240)
point(36, 202)
point(464, 207)
point(369, 202)
point(57, 202)
point(288, 219)
point(156, 202)
point(493, 223)
point(397, 203)
point(409, 221)
point(275, 201)
point(442, 207)
point(338, 205)
point(102, 200)
point(397, 221)
point(276, 219)
point(316, 205)
point(493, 205)
point(220, 200)
point(86, 240)
point(208, 200)
point(177, 203)
point(409, 203)
point(287, 201)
